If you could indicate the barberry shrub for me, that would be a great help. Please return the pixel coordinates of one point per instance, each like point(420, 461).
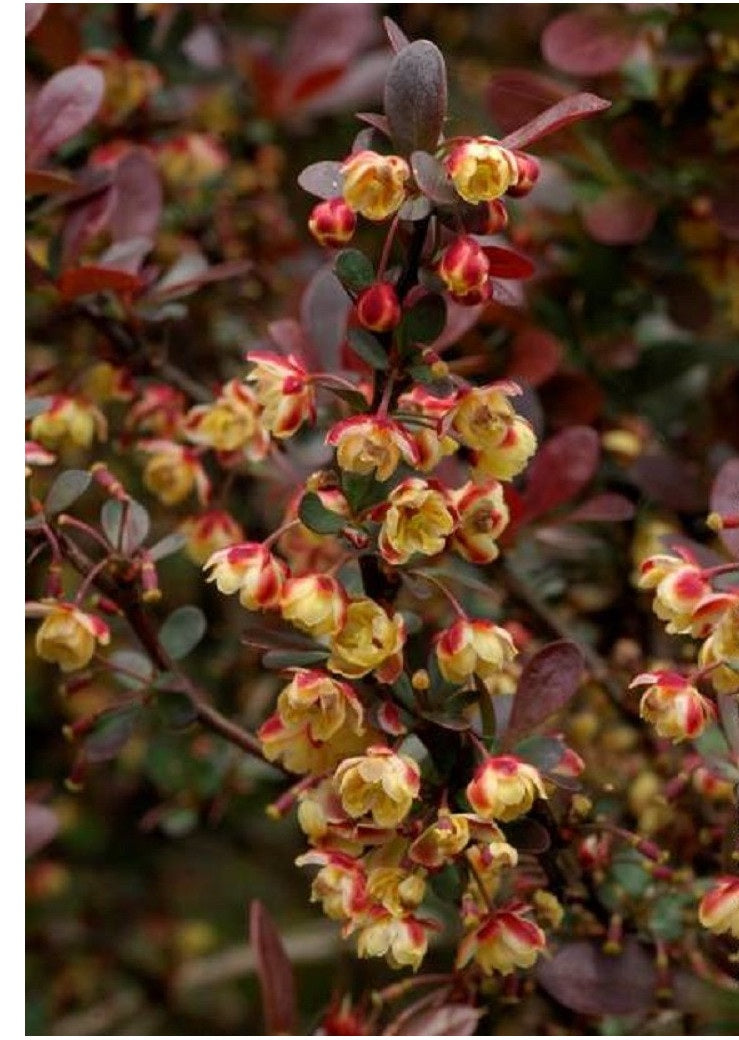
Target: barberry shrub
point(418, 721)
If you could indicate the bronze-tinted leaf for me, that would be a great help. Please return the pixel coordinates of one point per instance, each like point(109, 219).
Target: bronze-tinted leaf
point(564, 113)
point(586, 980)
point(432, 179)
point(620, 216)
point(608, 506)
point(725, 499)
point(563, 466)
point(549, 680)
point(275, 973)
point(322, 179)
point(588, 42)
point(138, 198)
point(63, 107)
point(416, 97)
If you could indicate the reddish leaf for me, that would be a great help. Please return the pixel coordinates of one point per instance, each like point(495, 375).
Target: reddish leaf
point(547, 683)
point(725, 499)
point(84, 281)
point(322, 179)
point(288, 335)
point(217, 273)
point(564, 113)
point(535, 355)
point(396, 36)
point(416, 97)
point(44, 182)
point(42, 823)
point(670, 481)
point(316, 83)
point(620, 216)
point(324, 310)
point(34, 14)
point(571, 398)
point(361, 83)
point(516, 96)
point(605, 507)
point(586, 980)
point(459, 320)
point(432, 179)
point(447, 1020)
point(275, 973)
point(375, 120)
point(504, 263)
point(561, 468)
point(587, 42)
point(138, 198)
point(86, 219)
point(63, 107)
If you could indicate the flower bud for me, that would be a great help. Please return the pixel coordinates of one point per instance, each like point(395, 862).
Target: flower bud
point(481, 169)
point(379, 784)
point(252, 571)
point(503, 941)
point(719, 907)
point(378, 307)
point(68, 636)
point(464, 268)
point(527, 170)
point(374, 184)
point(332, 223)
point(673, 705)
point(504, 787)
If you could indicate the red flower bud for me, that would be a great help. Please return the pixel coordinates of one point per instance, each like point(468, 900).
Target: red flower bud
point(528, 175)
point(332, 223)
point(496, 217)
point(378, 307)
point(464, 268)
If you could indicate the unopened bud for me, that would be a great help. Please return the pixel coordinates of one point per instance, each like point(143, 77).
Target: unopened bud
point(378, 307)
point(420, 680)
point(332, 223)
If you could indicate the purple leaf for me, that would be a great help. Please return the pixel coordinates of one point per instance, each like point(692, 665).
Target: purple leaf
point(138, 198)
point(587, 42)
point(168, 289)
point(562, 467)
point(547, 683)
point(447, 1020)
point(322, 179)
point(416, 97)
point(432, 179)
point(608, 506)
point(396, 36)
point(376, 120)
point(515, 96)
point(42, 823)
point(725, 500)
point(565, 112)
point(620, 216)
point(275, 973)
point(34, 14)
point(324, 310)
point(63, 107)
point(361, 83)
point(586, 980)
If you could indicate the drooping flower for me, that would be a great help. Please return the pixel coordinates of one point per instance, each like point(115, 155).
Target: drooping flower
point(481, 169)
point(482, 415)
point(442, 841)
point(503, 941)
point(369, 444)
point(208, 532)
point(231, 423)
point(508, 458)
point(504, 787)
point(418, 518)
point(314, 603)
point(379, 784)
point(173, 472)
point(284, 390)
point(720, 649)
point(679, 586)
point(340, 886)
point(251, 570)
point(370, 640)
point(68, 636)
point(431, 444)
point(69, 420)
point(373, 184)
point(473, 647)
point(403, 941)
point(483, 516)
point(719, 907)
point(673, 705)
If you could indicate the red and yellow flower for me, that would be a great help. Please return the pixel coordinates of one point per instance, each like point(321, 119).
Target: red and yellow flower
point(191, 159)
point(481, 169)
point(314, 603)
point(403, 941)
point(431, 444)
point(720, 648)
point(418, 518)
point(504, 787)
point(251, 570)
point(67, 636)
point(442, 841)
point(379, 784)
point(69, 421)
point(483, 516)
point(473, 647)
point(719, 907)
point(370, 444)
point(370, 640)
point(509, 457)
point(284, 390)
point(207, 533)
point(231, 423)
point(673, 705)
point(340, 886)
point(679, 587)
point(173, 472)
point(373, 184)
point(503, 941)
point(159, 410)
point(465, 270)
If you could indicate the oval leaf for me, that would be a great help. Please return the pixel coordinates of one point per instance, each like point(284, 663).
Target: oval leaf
point(569, 110)
point(138, 198)
point(425, 321)
point(275, 973)
point(365, 345)
point(432, 179)
point(42, 823)
point(322, 179)
point(583, 978)
point(66, 489)
point(610, 506)
point(563, 466)
point(354, 270)
point(315, 516)
point(111, 733)
point(587, 42)
point(515, 96)
point(85, 281)
point(63, 107)
point(447, 1020)
point(125, 525)
point(416, 97)
point(725, 500)
point(504, 263)
point(547, 683)
point(167, 546)
point(323, 313)
point(182, 631)
point(620, 216)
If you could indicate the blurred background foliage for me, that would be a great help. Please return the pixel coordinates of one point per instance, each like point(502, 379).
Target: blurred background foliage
point(136, 909)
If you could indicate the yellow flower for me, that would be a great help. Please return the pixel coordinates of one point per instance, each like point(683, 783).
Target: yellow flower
point(379, 784)
point(284, 391)
point(68, 636)
point(548, 908)
point(69, 421)
point(723, 646)
point(340, 885)
point(191, 159)
point(673, 706)
point(719, 907)
point(314, 603)
point(481, 169)
point(173, 471)
point(483, 516)
point(679, 588)
point(395, 889)
point(231, 423)
point(369, 641)
point(442, 841)
point(503, 941)
point(251, 570)
point(474, 647)
point(508, 458)
point(483, 414)
point(367, 444)
point(417, 519)
point(209, 532)
point(504, 787)
point(374, 184)
point(432, 446)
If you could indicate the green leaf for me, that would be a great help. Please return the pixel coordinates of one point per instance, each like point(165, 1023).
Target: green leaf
point(111, 733)
point(356, 400)
point(182, 631)
point(167, 546)
point(627, 870)
point(66, 489)
point(136, 669)
point(125, 525)
point(278, 659)
point(425, 320)
point(317, 517)
point(354, 270)
point(363, 492)
point(368, 347)
point(666, 916)
point(175, 709)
